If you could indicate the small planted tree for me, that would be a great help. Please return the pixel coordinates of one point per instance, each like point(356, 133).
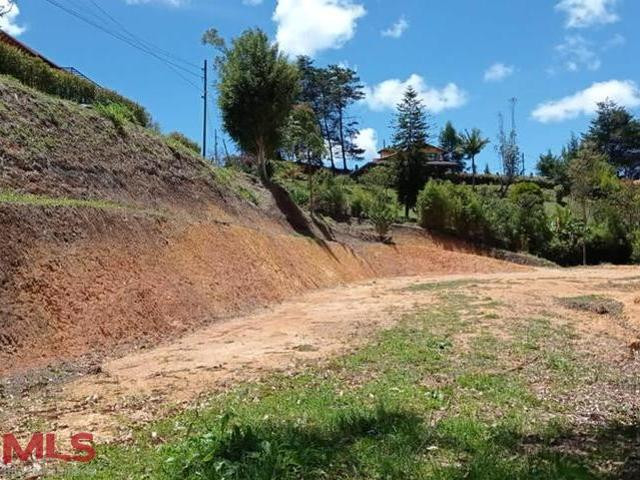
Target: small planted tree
point(381, 210)
point(257, 90)
point(302, 142)
point(591, 176)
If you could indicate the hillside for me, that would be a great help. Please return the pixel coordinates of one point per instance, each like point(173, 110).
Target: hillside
point(114, 238)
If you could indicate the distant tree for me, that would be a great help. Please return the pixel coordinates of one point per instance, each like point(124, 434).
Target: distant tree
point(508, 150)
point(302, 141)
point(472, 144)
point(616, 134)
point(451, 143)
point(590, 176)
point(257, 90)
point(316, 90)
point(411, 129)
point(346, 89)
point(486, 169)
point(410, 136)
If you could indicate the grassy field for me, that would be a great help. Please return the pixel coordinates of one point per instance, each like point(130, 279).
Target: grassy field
point(443, 395)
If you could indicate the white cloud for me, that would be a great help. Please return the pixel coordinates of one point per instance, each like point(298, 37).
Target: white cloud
point(388, 94)
point(586, 13)
point(8, 20)
point(498, 72)
point(367, 140)
point(309, 26)
point(397, 29)
point(576, 52)
point(252, 3)
point(584, 102)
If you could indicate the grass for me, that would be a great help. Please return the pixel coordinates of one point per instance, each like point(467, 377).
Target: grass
point(417, 402)
point(8, 196)
point(593, 303)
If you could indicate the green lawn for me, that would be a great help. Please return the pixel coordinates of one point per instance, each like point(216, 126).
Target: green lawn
point(442, 395)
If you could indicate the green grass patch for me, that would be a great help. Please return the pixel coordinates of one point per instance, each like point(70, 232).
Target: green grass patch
point(7, 196)
point(414, 403)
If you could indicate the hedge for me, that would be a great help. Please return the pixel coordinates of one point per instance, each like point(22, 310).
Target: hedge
point(35, 73)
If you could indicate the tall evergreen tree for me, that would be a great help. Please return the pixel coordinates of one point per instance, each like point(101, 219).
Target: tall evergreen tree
point(410, 124)
point(410, 136)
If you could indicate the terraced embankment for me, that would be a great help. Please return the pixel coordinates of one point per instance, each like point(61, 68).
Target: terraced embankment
point(114, 238)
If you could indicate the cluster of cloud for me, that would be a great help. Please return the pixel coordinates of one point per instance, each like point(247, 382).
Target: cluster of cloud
point(367, 140)
point(305, 27)
point(397, 29)
point(498, 72)
point(587, 13)
point(386, 95)
point(585, 102)
point(8, 21)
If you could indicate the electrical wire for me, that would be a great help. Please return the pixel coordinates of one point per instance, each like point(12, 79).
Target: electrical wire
point(176, 68)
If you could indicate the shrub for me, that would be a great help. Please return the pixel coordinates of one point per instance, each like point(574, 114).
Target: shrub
point(118, 113)
point(35, 73)
point(359, 204)
point(381, 211)
point(435, 205)
point(177, 139)
point(331, 198)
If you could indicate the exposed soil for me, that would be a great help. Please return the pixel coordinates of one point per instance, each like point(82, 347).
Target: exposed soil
point(139, 387)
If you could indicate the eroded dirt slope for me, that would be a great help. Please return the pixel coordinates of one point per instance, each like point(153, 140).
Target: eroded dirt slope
point(153, 242)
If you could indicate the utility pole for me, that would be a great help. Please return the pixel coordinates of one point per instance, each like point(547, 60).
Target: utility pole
point(204, 123)
point(215, 147)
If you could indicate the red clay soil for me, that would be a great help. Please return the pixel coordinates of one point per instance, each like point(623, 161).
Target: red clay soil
point(84, 281)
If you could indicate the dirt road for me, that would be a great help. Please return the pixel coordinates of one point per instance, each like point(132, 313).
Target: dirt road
point(144, 385)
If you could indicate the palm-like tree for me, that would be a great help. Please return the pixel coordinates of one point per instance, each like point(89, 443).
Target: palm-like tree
point(472, 144)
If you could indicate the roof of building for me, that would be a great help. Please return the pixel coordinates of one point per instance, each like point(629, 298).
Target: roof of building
point(9, 40)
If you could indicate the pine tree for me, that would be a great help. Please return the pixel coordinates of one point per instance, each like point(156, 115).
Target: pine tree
point(411, 128)
point(410, 136)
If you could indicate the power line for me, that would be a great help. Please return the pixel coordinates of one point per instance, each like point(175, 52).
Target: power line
point(140, 40)
point(170, 64)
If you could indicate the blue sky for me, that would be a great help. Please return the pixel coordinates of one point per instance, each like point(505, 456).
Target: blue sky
point(466, 57)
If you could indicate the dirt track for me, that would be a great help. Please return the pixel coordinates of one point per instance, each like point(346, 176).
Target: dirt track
point(143, 385)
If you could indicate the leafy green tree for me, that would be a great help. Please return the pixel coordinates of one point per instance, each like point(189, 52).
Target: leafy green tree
point(303, 142)
point(472, 144)
point(616, 134)
point(451, 143)
point(591, 177)
point(381, 210)
point(257, 90)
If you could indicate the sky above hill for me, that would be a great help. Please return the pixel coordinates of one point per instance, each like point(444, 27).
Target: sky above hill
point(467, 58)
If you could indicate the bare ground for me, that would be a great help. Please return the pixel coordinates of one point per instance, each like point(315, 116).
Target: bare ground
point(141, 386)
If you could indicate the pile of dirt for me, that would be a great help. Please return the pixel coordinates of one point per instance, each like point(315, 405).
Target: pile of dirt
point(156, 242)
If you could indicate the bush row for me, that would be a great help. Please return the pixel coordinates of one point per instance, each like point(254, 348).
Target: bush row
point(520, 222)
point(37, 74)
